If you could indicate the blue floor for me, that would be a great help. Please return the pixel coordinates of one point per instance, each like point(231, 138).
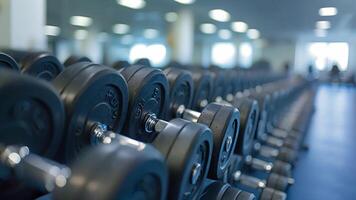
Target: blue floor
point(328, 169)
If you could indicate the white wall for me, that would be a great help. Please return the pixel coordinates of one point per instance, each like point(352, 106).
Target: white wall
point(278, 53)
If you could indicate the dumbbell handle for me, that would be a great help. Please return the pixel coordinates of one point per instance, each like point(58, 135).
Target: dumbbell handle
point(249, 181)
point(33, 169)
point(258, 164)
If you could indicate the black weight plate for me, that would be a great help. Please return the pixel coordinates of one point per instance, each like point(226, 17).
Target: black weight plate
point(277, 182)
point(287, 155)
point(93, 94)
point(148, 93)
point(245, 196)
point(75, 59)
point(41, 65)
point(248, 119)
point(203, 86)
point(282, 168)
point(218, 85)
point(144, 62)
point(125, 170)
point(8, 62)
point(193, 144)
point(31, 113)
point(224, 121)
point(215, 191)
point(181, 90)
point(120, 64)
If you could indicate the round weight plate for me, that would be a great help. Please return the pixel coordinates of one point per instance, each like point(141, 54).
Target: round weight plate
point(215, 191)
point(181, 90)
point(203, 85)
point(8, 62)
point(125, 170)
point(120, 64)
point(224, 122)
point(148, 93)
point(287, 155)
point(75, 59)
point(271, 194)
point(218, 85)
point(277, 182)
point(248, 119)
point(92, 93)
point(144, 62)
point(187, 156)
point(31, 116)
point(41, 65)
point(282, 168)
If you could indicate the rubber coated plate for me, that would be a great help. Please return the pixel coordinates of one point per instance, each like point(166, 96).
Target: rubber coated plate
point(181, 90)
point(248, 119)
point(192, 145)
point(75, 59)
point(148, 93)
point(203, 85)
point(218, 85)
point(120, 64)
point(32, 116)
point(7, 62)
point(41, 65)
point(224, 122)
point(128, 170)
point(91, 93)
point(144, 62)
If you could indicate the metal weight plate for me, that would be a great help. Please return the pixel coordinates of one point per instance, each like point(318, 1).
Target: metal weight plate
point(127, 170)
point(8, 62)
point(219, 85)
point(224, 121)
point(41, 65)
point(277, 182)
point(91, 93)
point(187, 148)
point(248, 119)
point(148, 93)
point(223, 191)
point(272, 194)
point(144, 62)
point(31, 113)
point(120, 64)
point(263, 101)
point(75, 59)
point(181, 90)
point(203, 87)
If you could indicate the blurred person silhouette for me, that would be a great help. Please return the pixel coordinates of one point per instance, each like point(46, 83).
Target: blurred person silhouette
point(335, 73)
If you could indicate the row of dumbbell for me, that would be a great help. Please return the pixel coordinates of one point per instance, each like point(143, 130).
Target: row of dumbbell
point(152, 117)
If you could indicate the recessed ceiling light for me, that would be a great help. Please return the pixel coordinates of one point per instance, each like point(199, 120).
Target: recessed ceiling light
point(323, 25)
point(81, 21)
point(240, 27)
point(150, 33)
point(320, 32)
point(134, 4)
point(185, 1)
point(328, 11)
point(253, 34)
point(80, 34)
point(171, 17)
point(219, 15)
point(52, 30)
point(208, 28)
point(224, 34)
point(121, 28)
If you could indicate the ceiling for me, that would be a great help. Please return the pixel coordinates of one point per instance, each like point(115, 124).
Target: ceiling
point(275, 19)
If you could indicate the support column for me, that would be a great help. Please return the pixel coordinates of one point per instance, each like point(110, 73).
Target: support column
point(183, 37)
point(22, 24)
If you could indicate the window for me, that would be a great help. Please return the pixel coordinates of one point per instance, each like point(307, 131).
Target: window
point(324, 55)
point(156, 53)
point(223, 54)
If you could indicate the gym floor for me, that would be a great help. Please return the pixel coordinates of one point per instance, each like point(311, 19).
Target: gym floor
point(328, 169)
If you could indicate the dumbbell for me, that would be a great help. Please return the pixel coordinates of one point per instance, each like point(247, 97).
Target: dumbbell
point(95, 99)
point(203, 88)
point(75, 59)
point(221, 119)
point(39, 64)
point(34, 116)
point(124, 170)
point(144, 62)
point(120, 64)
point(223, 191)
point(8, 62)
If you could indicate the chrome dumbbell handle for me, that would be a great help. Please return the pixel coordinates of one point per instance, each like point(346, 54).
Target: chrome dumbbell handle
point(258, 164)
point(33, 169)
point(249, 181)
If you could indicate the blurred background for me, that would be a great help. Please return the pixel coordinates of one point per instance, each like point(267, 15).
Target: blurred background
point(302, 36)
